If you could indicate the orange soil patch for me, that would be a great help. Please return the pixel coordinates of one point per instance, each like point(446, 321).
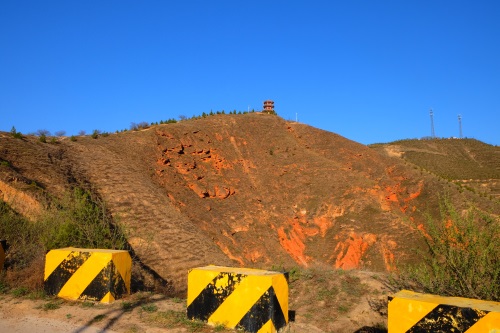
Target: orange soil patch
point(388, 254)
point(350, 252)
point(228, 253)
point(293, 243)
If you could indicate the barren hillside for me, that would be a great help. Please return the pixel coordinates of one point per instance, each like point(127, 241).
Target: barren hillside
point(250, 190)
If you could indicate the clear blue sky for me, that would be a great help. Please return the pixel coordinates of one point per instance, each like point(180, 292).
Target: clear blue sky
point(367, 70)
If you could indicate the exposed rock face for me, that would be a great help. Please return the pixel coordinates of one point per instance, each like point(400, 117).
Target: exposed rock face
point(249, 190)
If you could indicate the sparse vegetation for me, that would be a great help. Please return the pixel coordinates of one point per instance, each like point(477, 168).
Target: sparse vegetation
point(171, 318)
point(15, 133)
point(95, 134)
point(149, 308)
point(462, 257)
point(139, 126)
point(52, 305)
point(78, 219)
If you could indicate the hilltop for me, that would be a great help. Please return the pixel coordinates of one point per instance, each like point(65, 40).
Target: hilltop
point(468, 162)
point(242, 190)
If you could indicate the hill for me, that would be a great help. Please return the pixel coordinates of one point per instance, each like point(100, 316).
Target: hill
point(246, 190)
point(472, 163)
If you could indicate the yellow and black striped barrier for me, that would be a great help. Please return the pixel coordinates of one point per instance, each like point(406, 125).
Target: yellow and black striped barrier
point(415, 312)
point(3, 248)
point(250, 299)
point(88, 274)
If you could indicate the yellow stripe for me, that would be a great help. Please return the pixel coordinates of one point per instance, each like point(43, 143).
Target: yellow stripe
point(84, 275)
point(54, 258)
point(108, 298)
point(123, 264)
point(267, 328)
point(280, 286)
point(241, 300)
point(405, 313)
point(197, 281)
point(488, 324)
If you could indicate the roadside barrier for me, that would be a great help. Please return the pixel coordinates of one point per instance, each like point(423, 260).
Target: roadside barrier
point(3, 248)
point(88, 274)
point(250, 299)
point(415, 312)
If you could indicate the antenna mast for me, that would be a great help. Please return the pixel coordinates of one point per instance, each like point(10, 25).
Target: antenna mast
point(433, 134)
point(460, 125)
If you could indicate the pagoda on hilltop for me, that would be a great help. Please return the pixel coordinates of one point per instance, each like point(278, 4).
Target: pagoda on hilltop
point(269, 107)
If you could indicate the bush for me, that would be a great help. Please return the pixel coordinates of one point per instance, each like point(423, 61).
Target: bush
point(79, 219)
point(15, 133)
point(462, 257)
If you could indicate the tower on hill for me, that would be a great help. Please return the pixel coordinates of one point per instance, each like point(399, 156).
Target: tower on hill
point(268, 106)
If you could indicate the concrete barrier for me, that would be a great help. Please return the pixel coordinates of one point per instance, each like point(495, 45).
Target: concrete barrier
point(88, 274)
point(249, 299)
point(415, 312)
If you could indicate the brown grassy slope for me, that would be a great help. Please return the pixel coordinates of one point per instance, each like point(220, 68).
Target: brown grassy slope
point(469, 162)
point(250, 190)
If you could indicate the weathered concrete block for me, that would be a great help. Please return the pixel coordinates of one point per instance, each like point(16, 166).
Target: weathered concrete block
point(251, 299)
point(415, 312)
point(91, 274)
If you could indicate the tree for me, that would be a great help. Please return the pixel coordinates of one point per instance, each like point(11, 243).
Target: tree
point(60, 133)
point(95, 134)
point(43, 132)
point(15, 133)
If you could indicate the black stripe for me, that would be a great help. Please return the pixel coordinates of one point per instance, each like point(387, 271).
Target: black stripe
point(205, 304)
point(58, 278)
point(108, 280)
point(448, 318)
point(267, 307)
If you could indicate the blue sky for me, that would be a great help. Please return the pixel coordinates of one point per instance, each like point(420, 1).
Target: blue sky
point(367, 70)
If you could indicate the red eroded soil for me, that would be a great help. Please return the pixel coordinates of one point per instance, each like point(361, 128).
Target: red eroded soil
point(244, 190)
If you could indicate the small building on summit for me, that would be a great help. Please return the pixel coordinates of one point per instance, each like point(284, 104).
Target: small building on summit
point(268, 107)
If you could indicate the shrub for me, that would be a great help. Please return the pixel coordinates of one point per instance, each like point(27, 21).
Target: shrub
point(462, 257)
point(79, 219)
point(42, 138)
point(15, 133)
point(43, 132)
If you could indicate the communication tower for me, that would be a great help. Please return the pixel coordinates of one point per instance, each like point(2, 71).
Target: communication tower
point(433, 134)
point(460, 125)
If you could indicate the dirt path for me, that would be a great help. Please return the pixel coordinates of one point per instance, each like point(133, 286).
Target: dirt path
point(21, 315)
point(51, 315)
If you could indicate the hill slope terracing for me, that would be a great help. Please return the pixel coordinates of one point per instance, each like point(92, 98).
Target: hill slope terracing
point(251, 190)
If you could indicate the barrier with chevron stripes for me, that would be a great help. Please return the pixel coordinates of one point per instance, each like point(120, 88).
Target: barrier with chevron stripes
point(88, 274)
point(250, 299)
point(414, 312)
